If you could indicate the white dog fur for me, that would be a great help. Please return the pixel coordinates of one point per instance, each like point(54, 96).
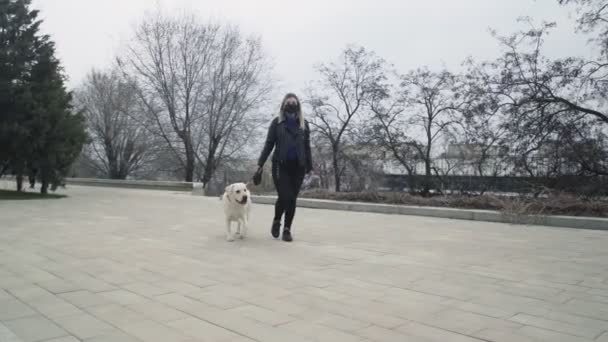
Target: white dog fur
point(237, 206)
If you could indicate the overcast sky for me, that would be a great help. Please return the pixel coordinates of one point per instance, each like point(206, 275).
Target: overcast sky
point(298, 34)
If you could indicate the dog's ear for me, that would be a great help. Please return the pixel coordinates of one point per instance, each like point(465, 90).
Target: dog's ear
point(228, 189)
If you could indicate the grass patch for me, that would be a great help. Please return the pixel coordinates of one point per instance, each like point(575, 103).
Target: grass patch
point(10, 195)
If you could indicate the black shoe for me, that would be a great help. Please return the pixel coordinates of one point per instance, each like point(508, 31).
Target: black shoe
point(276, 229)
point(287, 235)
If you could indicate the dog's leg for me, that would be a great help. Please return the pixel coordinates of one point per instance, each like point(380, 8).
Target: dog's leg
point(229, 236)
point(244, 228)
point(238, 229)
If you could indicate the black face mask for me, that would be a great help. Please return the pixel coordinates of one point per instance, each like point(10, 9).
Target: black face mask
point(291, 108)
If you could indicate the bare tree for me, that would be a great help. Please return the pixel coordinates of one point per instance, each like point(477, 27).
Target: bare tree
point(119, 144)
point(201, 84)
point(340, 96)
point(425, 102)
point(543, 101)
point(390, 129)
point(168, 58)
point(237, 84)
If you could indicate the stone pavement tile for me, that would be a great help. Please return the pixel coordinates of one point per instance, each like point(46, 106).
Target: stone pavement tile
point(261, 314)
point(240, 339)
point(357, 292)
point(116, 337)
point(283, 306)
point(599, 292)
point(404, 310)
point(548, 335)
point(586, 308)
point(319, 332)
point(53, 306)
point(185, 304)
point(35, 275)
point(375, 317)
point(177, 287)
point(577, 320)
point(58, 286)
point(603, 337)
point(89, 283)
point(238, 292)
point(64, 339)
point(586, 296)
point(376, 333)
point(5, 295)
point(563, 327)
point(512, 303)
point(548, 295)
point(442, 289)
point(332, 320)
point(197, 280)
point(123, 297)
point(433, 334)
point(219, 300)
point(496, 335)
point(248, 327)
point(6, 335)
point(466, 323)
point(405, 295)
point(486, 310)
point(151, 331)
point(14, 308)
point(324, 293)
point(594, 284)
point(566, 287)
point(14, 282)
point(84, 326)
point(116, 278)
point(30, 293)
point(197, 328)
point(145, 289)
point(115, 314)
point(146, 276)
point(35, 328)
point(157, 312)
point(85, 299)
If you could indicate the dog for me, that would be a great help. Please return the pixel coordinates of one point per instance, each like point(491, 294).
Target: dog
point(237, 206)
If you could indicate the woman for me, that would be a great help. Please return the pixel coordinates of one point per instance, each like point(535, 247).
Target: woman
point(289, 136)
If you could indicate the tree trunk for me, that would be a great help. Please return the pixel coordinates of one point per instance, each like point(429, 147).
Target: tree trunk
point(210, 164)
point(19, 182)
point(32, 178)
point(336, 166)
point(44, 187)
point(190, 159)
point(427, 174)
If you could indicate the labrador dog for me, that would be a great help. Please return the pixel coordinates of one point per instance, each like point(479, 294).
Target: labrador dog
point(237, 206)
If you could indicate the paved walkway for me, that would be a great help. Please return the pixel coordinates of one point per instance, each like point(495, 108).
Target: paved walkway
point(135, 265)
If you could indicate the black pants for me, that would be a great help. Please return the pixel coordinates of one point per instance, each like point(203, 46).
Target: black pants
point(288, 178)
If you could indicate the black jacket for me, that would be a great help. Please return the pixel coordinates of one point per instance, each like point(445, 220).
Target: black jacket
point(279, 138)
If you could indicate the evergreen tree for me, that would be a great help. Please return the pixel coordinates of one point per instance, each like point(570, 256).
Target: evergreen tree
point(38, 131)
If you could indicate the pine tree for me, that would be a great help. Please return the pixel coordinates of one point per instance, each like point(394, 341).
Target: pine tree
point(38, 131)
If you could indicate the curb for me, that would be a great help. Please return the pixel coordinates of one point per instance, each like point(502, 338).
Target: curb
point(128, 184)
point(591, 223)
